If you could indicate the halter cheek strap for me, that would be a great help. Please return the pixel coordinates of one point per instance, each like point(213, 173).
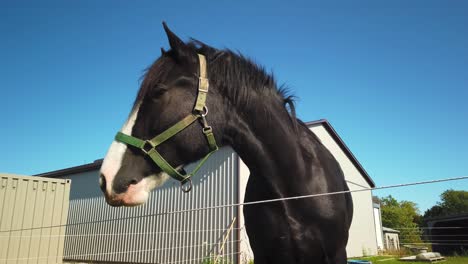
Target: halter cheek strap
point(199, 112)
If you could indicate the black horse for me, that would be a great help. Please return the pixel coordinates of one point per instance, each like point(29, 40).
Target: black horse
point(248, 112)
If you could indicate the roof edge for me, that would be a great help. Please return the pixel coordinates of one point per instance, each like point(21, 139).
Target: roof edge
point(389, 230)
point(73, 170)
point(344, 148)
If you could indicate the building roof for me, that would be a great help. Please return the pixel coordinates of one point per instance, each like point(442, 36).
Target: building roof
point(343, 147)
point(97, 163)
point(389, 230)
point(73, 170)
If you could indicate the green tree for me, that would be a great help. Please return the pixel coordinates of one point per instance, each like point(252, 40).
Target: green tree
point(402, 216)
point(452, 202)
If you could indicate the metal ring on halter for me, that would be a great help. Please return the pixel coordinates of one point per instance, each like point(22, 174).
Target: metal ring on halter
point(188, 184)
point(205, 111)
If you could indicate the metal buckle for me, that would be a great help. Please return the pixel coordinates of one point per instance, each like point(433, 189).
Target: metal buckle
point(203, 118)
point(188, 187)
point(207, 129)
point(202, 81)
point(147, 147)
point(205, 111)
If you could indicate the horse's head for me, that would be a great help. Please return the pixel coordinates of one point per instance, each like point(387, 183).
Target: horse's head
point(168, 94)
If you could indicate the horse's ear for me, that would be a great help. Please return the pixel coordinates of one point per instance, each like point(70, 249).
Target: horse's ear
point(177, 45)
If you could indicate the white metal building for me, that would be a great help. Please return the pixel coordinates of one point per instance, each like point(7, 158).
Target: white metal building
point(163, 231)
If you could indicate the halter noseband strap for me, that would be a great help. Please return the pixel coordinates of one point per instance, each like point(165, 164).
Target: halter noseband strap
point(199, 112)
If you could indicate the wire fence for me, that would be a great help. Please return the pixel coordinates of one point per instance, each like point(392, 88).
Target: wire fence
point(123, 252)
point(298, 197)
point(219, 232)
point(441, 238)
point(118, 234)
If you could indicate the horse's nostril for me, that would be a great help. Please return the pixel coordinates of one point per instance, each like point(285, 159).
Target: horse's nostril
point(102, 182)
point(133, 181)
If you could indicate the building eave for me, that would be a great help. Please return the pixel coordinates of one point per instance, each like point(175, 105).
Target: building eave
point(389, 230)
point(73, 170)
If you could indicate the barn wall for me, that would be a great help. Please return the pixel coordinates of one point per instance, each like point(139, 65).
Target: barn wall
point(362, 234)
point(144, 234)
point(85, 185)
point(33, 212)
point(246, 252)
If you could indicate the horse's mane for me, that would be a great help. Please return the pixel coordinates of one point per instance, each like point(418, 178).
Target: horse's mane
point(239, 78)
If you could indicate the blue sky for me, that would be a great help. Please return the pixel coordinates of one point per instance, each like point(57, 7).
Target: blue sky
point(392, 78)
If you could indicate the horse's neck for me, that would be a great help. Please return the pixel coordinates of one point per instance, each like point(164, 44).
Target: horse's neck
point(268, 146)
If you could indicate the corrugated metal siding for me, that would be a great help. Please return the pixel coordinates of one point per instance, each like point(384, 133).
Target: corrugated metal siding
point(33, 212)
point(145, 234)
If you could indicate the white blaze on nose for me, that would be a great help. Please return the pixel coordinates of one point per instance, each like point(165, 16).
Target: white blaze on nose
point(113, 160)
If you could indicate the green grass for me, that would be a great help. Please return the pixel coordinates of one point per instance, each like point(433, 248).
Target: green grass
point(376, 260)
point(449, 260)
point(212, 260)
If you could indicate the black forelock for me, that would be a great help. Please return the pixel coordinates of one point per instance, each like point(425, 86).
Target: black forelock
point(154, 74)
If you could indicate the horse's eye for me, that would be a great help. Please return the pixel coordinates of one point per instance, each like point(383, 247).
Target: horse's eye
point(184, 81)
point(158, 92)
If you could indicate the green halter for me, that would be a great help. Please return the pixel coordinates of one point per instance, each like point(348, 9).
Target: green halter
point(199, 112)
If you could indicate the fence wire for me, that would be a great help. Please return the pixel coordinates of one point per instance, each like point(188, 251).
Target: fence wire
point(119, 234)
point(433, 242)
point(252, 203)
point(115, 252)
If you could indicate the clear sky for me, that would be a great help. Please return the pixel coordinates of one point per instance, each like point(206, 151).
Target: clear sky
point(392, 78)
